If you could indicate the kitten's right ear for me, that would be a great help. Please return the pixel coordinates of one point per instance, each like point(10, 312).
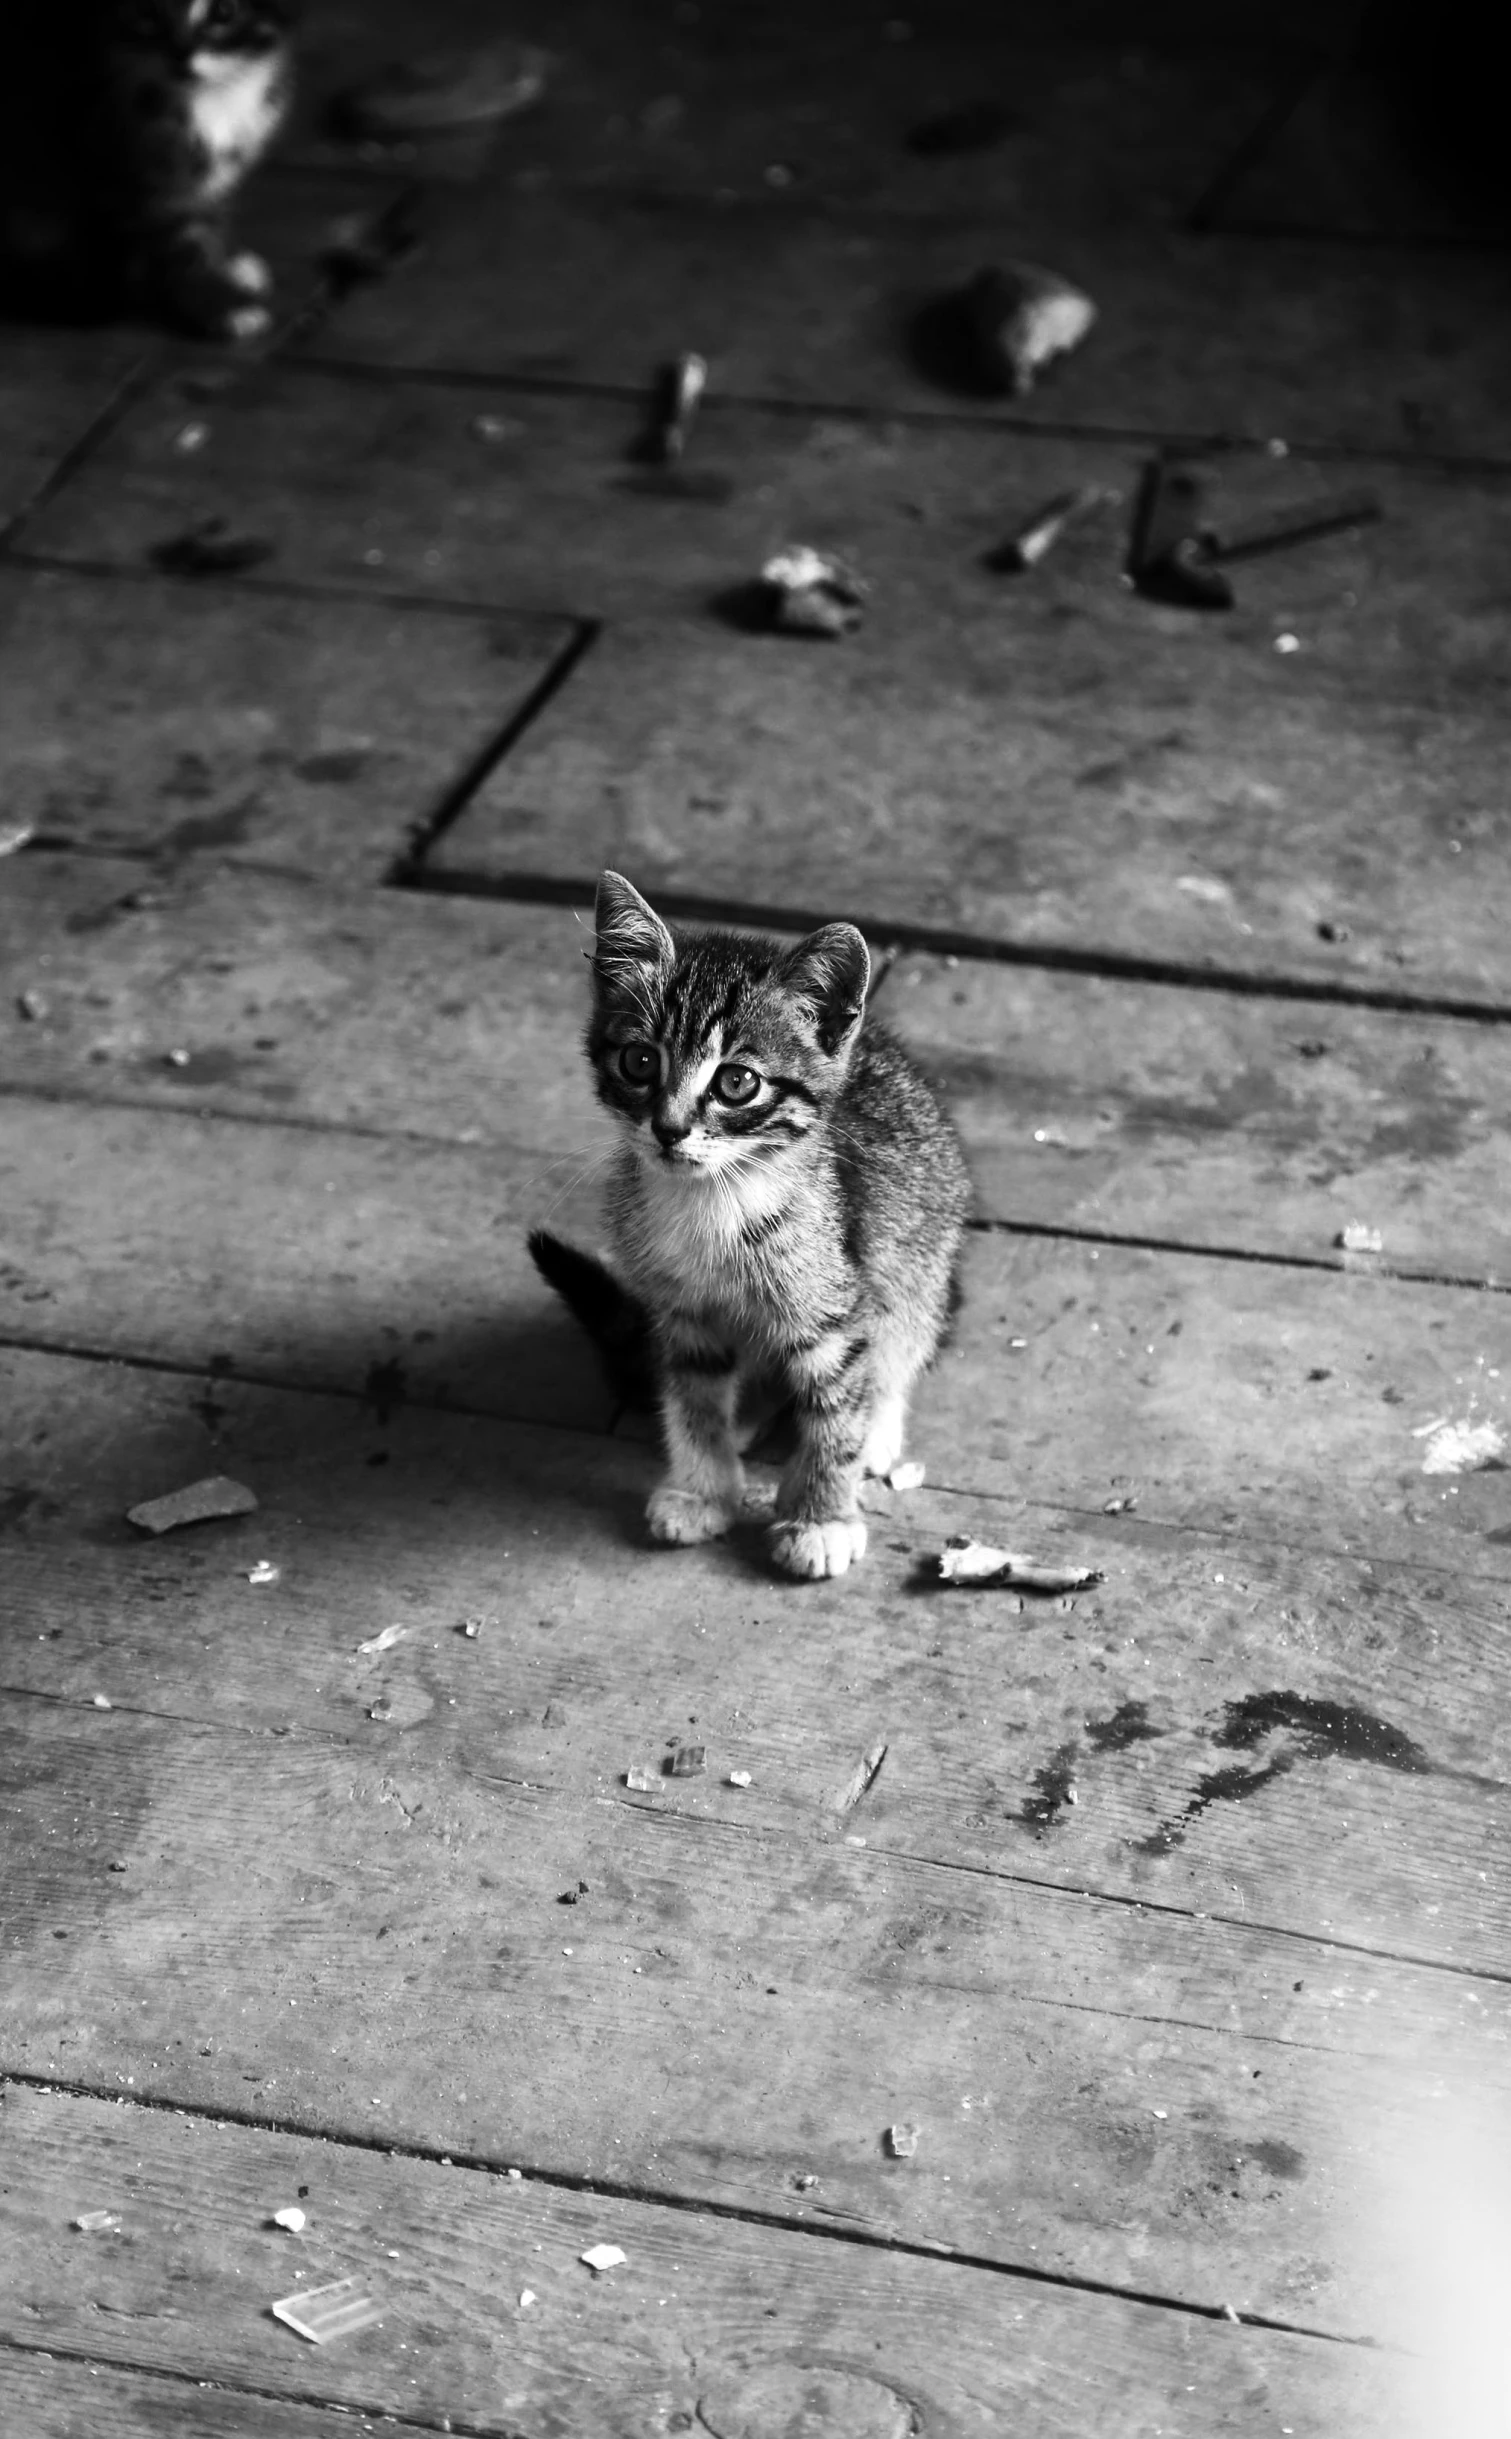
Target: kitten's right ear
point(633, 942)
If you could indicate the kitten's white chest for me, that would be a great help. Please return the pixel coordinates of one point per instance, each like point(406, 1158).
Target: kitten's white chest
point(693, 1232)
point(236, 106)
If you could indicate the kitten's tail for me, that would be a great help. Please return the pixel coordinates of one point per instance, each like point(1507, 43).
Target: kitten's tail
point(616, 1321)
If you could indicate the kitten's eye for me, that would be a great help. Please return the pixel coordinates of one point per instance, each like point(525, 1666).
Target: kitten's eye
point(737, 1084)
point(638, 1063)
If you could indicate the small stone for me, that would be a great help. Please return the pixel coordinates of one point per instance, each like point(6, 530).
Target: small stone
point(738, 1778)
point(601, 2257)
point(292, 2218)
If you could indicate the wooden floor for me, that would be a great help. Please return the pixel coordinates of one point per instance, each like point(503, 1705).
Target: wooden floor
point(1174, 1916)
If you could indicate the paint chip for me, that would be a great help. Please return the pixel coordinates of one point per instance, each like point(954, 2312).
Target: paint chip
point(601, 2257)
point(902, 2140)
point(98, 2222)
point(196, 1503)
point(292, 2218)
point(325, 2313)
point(263, 1573)
point(1465, 1448)
point(384, 1641)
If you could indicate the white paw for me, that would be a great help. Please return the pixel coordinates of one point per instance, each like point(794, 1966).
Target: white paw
point(884, 1439)
point(686, 1516)
point(814, 1550)
point(248, 322)
point(251, 274)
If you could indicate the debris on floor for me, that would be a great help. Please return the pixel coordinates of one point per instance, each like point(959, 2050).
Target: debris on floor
point(1020, 318)
point(1357, 1238)
point(907, 1475)
point(810, 592)
point(526, 2298)
point(196, 1503)
point(678, 394)
point(447, 90)
point(689, 1761)
point(1284, 528)
point(291, 2218)
point(14, 835)
point(99, 2222)
point(1120, 1507)
point(102, 1702)
point(384, 1641)
point(861, 1779)
point(1464, 1448)
point(472, 1627)
point(263, 1573)
point(575, 1894)
point(1035, 539)
point(325, 2313)
point(738, 1778)
point(1169, 551)
point(966, 1561)
point(902, 2141)
point(641, 1782)
point(212, 547)
point(32, 1005)
point(601, 2257)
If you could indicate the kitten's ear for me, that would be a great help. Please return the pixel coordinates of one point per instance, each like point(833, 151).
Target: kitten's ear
point(830, 970)
point(632, 939)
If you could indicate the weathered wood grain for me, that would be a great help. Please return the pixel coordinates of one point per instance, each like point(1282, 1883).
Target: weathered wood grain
point(707, 2317)
point(1216, 816)
point(533, 499)
point(1255, 1397)
point(600, 1648)
point(54, 385)
point(1085, 1103)
point(312, 735)
point(53, 2397)
point(339, 1261)
point(797, 301)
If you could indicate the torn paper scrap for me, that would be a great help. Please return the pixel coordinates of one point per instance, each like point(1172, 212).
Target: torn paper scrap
point(384, 1641)
point(964, 1561)
point(1465, 1448)
point(196, 1503)
point(329, 2312)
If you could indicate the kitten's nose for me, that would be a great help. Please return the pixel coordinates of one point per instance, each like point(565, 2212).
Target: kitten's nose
point(668, 1134)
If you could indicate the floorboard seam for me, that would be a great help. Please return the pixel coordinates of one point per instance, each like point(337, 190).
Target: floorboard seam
point(133, 384)
point(1111, 965)
point(433, 826)
point(922, 419)
point(617, 2190)
point(1350, 1266)
point(283, 588)
point(222, 2386)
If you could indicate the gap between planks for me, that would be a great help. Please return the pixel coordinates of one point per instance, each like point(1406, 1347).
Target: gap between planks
point(746, 2214)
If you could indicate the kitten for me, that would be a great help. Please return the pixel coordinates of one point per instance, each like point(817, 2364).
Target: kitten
point(787, 1204)
point(128, 127)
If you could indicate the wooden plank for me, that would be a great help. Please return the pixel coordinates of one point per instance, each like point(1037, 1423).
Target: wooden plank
point(603, 1647)
point(1199, 810)
point(338, 1261)
point(1252, 1396)
point(546, 508)
point(714, 2318)
point(723, 2014)
point(309, 734)
point(797, 301)
point(53, 2398)
point(54, 385)
point(1085, 1103)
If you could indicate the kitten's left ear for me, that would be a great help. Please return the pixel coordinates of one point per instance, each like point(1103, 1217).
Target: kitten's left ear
point(830, 970)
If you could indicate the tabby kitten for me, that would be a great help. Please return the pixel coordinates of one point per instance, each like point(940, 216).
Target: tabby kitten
point(787, 1205)
point(128, 127)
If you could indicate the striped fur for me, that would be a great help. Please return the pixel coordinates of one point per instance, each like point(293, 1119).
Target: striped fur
point(787, 1206)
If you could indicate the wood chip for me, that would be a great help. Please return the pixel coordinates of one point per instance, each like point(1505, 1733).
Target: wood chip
point(975, 1563)
point(196, 1503)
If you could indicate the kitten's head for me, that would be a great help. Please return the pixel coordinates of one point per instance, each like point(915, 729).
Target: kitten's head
point(715, 1051)
point(189, 29)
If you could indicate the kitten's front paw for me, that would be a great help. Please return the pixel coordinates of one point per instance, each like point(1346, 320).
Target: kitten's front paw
point(814, 1550)
point(685, 1516)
